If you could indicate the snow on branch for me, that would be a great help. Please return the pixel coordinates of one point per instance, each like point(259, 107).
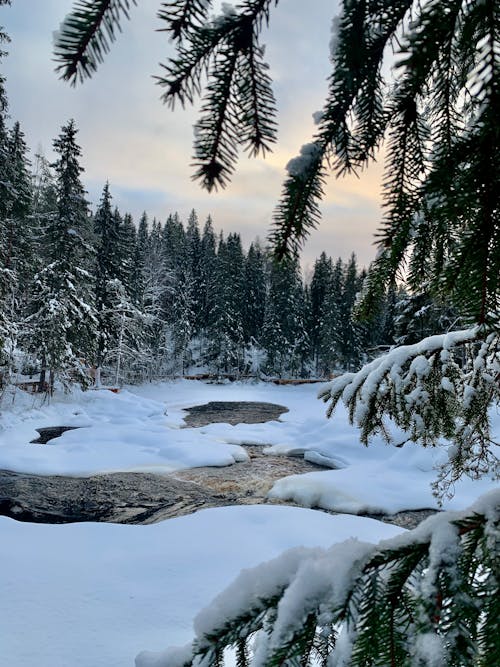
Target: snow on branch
point(432, 588)
point(439, 387)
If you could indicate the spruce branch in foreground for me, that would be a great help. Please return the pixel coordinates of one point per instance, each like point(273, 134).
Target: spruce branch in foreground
point(432, 591)
point(85, 36)
point(438, 388)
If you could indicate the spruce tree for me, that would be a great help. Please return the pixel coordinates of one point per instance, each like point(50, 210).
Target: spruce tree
point(127, 239)
point(318, 291)
point(349, 337)
point(330, 333)
point(193, 259)
point(64, 322)
point(284, 335)
point(8, 328)
point(255, 293)
point(107, 269)
point(208, 287)
point(226, 349)
point(156, 284)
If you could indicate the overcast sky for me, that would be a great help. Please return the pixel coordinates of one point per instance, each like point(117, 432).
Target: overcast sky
point(144, 149)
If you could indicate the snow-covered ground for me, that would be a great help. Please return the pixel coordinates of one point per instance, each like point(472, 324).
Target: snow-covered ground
point(139, 430)
point(95, 595)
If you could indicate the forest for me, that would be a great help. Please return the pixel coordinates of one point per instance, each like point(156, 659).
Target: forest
point(97, 293)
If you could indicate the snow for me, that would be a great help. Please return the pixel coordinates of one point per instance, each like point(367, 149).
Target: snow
point(90, 594)
point(139, 430)
point(300, 165)
point(313, 579)
point(95, 595)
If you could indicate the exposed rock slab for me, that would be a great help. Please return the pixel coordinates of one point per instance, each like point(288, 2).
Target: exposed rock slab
point(117, 497)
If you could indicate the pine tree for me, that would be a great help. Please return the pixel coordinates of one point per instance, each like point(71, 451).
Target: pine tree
point(156, 284)
point(127, 240)
point(174, 256)
point(8, 328)
point(193, 259)
point(349, 336)
point(427, 597)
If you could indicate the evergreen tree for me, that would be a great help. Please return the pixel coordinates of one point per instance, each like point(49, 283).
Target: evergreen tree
point(8, 328)
point(156, 283)
point(174, 257)
point(208, 287)
point(227, 341)
point(193, 267)
point(330, 333)
point(108, 268)
point(418, 316)
point(63, 323)
point(127, 240)
point(426, 597)
point(349, 337)
point(318, 291)
point(284, 334)
point(255, 293)
point(184, 319)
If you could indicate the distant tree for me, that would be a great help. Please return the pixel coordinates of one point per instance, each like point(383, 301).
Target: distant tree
point(318, 292)
point(255, 288)
point(330, 332)
point(349, 335)
point(107, 269)
point(226, 338)
point(174, 256)
point(284, 335)
point(63, 322)
point(8, 327)
point(127, 240)
point(208, 267)
point(184, 318)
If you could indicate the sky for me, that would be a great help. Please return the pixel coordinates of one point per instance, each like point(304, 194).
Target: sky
point(145, 150)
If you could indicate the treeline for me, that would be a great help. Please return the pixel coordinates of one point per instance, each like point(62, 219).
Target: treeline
point(87, 291)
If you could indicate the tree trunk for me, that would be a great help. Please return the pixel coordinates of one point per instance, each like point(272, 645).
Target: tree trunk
point(43, 371)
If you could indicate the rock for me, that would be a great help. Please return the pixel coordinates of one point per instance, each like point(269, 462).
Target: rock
point(117, 498)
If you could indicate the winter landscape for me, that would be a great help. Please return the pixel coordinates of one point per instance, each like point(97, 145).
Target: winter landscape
point(228, 437)
point(101, 593)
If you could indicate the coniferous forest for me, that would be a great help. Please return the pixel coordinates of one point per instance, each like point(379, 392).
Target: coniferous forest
point(96, 296)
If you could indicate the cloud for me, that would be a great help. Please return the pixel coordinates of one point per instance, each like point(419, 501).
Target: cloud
point(130, 138)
